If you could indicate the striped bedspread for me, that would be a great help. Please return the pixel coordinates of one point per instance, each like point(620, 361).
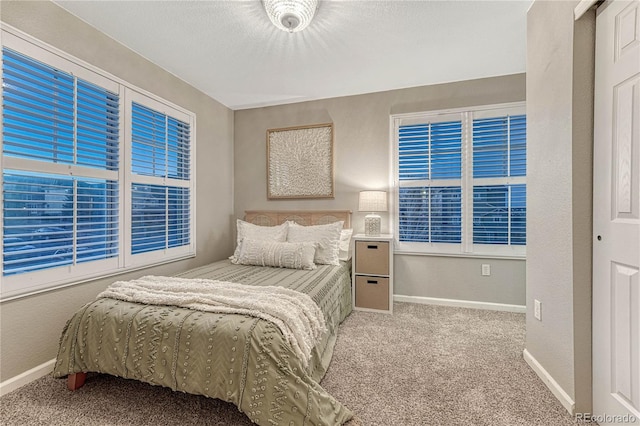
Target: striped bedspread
point(237, 358)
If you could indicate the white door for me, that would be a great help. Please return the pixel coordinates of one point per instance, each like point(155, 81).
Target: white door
point(616, 215)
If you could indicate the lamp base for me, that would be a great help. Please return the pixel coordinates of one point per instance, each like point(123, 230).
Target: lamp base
point(372, 225)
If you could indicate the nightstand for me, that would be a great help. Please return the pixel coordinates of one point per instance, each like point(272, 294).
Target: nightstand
point(373, 273)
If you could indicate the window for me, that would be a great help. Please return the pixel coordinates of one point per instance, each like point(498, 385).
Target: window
point(461, 181)
point(430, 156)
point(160, 213)
point(499, 168)
point(91, 185)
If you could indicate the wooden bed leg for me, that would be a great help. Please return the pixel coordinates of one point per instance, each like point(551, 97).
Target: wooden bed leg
point(76, 380)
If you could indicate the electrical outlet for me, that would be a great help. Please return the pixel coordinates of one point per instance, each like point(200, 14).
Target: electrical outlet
point(537, 310)
point(486, 269)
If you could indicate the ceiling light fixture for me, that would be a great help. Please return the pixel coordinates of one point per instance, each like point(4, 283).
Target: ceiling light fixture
point(290, 15)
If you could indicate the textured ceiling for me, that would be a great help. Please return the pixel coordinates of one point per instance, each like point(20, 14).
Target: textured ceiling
point(232, 52)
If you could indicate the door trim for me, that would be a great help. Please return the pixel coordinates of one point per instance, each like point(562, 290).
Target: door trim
point(582, 8)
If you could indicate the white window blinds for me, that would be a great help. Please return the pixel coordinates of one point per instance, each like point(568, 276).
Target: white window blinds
point(499, 166)
point(461, 181)
point(52, 118)
point(92, 185)
point(160, 216)
point(160, 144)
point(429, 174)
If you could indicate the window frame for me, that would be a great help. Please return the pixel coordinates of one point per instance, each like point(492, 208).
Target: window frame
point(466, 248)
point(25, 284)
point(150, 257)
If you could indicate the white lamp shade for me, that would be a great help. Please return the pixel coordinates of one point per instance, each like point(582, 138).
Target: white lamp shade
point(372, 201)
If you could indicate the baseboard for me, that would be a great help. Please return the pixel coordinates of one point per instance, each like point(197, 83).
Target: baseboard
point(460, 303)
point(553, 386)
point(26, 377)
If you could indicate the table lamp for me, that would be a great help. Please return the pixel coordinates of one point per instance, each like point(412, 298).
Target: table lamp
point(372, 202)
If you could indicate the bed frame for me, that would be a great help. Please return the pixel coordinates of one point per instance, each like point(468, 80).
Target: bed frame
point(263, 218)
point(301, 217)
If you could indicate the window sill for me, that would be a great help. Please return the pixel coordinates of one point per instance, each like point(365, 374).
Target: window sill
point(461, 255)
point(87, 279)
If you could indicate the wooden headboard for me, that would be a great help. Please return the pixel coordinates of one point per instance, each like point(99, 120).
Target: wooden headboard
point(301, 217)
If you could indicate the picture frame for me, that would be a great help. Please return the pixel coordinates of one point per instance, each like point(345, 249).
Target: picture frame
point(300, 162)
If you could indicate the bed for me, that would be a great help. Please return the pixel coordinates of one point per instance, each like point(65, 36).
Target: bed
point(239, 358)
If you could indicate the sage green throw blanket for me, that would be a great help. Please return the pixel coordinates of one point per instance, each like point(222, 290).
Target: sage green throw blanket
point(239, 358)
point(295, 314)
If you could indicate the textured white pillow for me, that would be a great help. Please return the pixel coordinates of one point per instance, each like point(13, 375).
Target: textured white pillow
point(345, 244)
point(279, 254)
point(326, 237)
point(257, 232)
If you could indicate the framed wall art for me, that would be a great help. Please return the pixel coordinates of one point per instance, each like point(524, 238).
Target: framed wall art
point(300, 162)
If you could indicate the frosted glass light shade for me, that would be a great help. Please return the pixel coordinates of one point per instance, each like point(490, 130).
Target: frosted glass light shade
point(290, 15)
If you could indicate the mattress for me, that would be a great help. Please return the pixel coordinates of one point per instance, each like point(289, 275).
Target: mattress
point(237, 358)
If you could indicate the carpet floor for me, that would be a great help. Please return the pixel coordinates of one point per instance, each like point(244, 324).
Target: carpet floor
point(423, 365)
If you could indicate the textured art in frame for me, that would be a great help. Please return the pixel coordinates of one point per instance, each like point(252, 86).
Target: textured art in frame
point(300, 162)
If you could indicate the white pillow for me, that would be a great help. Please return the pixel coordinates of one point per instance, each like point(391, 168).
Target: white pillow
point(345, 244)
point(257, 232)
point(326, 237)
point(279, 254)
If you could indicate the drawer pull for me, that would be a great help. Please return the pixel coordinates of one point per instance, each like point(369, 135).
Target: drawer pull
point(372, 246)
point(372, 282)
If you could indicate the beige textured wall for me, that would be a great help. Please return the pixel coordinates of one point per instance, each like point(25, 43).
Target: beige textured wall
point(363, 161)
point(560, 63)
point(30, 327)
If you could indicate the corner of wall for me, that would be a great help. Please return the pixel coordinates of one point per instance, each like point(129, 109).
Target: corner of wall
point(560, 70)
point(582, 190)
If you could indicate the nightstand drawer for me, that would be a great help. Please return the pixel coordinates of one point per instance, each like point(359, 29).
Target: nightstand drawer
point(372, 292)
point(372, 257)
